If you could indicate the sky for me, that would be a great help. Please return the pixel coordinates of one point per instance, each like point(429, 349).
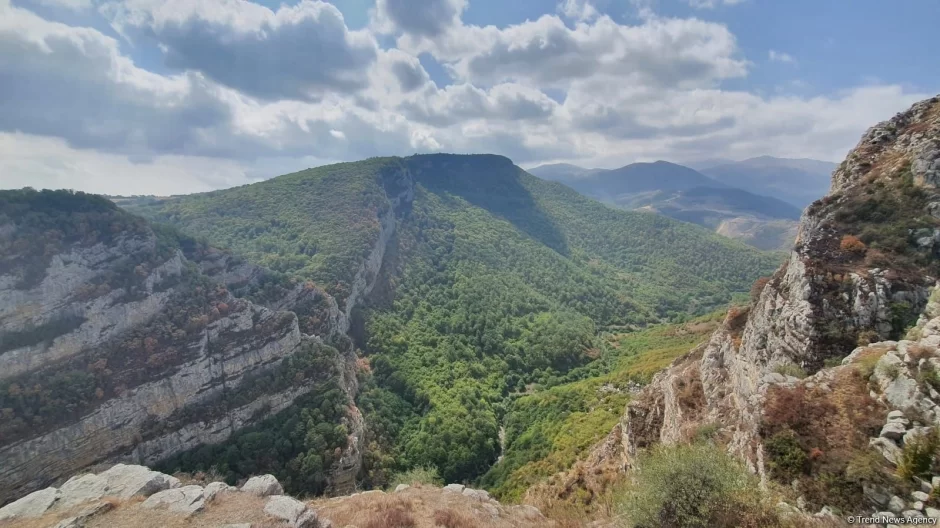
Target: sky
point(177, 96)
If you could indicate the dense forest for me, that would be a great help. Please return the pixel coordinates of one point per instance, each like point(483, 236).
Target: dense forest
point(495, 285)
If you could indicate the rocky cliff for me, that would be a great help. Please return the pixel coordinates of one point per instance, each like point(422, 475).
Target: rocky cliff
point(860, 273)
point(121, 341)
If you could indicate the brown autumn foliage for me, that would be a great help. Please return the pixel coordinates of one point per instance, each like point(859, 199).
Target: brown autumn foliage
point(852, 244)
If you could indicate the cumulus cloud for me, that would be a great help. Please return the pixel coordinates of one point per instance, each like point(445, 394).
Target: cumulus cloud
point(464, 102)
point(247, 92)
point(301, 51)
point(421, 18)
point(73, 83)
point(581, 10)
point(545, 52)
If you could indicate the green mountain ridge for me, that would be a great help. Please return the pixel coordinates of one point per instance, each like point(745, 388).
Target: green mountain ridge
point(493, 281)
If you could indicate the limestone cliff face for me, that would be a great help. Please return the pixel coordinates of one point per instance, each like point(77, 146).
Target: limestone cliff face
point(162, 337)
point(834, 291)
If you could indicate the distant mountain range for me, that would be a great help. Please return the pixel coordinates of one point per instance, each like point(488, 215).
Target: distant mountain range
point(757, 200)
point(797, 181)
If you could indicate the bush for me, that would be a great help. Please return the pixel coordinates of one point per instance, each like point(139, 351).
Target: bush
point(790, 369)
point(691, 486)
point(785, 456)
point(918, 455)
point(852, 244)
point(426, 476)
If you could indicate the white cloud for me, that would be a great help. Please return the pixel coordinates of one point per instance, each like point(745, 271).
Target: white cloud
point(45, 162)
point(76, 110)
point(545, 52)
point(779, 56)
point(580, 10)
point(302, 51)
point(422, 18)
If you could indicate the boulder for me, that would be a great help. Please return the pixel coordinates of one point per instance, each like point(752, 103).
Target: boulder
point(83, 488)
point(887, 448)
point(289, 509)
point(893, 430)
point(263, 486)
point(876, 495)
point(454, 488)
point(918, 505)
point(401, 487)
point(187, 500)
point(480, 495)
point(125, 481)
point(33, 505)
point(894, 415)
point(214, 488)
point(932, 513)
point(896, 504)
point(920, 496)
point(912, 514)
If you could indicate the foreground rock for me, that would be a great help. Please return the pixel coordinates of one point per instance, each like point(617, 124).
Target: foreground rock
point(86, 500)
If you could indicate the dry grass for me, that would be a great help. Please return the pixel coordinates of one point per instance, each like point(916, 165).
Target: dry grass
point(422, 507)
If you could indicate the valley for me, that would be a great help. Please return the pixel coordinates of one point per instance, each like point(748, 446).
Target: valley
point(405, 323)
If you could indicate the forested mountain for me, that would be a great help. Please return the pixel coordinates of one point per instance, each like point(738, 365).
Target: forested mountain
point(796, 181)
point(685, 194)
point(489, 281)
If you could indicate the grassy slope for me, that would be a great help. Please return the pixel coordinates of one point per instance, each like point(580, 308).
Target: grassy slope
point(546, 432)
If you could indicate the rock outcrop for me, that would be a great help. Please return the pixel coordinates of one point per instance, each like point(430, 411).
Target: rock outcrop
point(148, 338)
point(849, 279)
point(89, 497)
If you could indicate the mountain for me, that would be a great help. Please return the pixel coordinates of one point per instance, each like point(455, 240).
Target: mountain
point(684, 194)
point(124, 341)
point(489, 280)
point(796, 181)
point(826, 383)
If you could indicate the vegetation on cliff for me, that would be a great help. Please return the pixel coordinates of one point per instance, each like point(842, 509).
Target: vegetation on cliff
point(496, 282)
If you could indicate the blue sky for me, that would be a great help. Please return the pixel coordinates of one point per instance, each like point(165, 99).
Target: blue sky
point(165, 96)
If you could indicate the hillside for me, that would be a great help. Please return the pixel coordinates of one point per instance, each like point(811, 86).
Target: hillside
point(685, 194)
point(123, 341)
point(795, 181)
point(826, 384)
point(490, 280)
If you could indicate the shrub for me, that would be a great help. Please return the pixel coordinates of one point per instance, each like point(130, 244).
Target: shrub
point(918, 455)
point(426, 476)
point(786, 457)
point(694, 485)
point(867, 337)
point(790, 369)
point(852, 244)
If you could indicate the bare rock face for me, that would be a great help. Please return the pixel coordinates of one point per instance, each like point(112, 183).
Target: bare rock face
point(861, 271)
